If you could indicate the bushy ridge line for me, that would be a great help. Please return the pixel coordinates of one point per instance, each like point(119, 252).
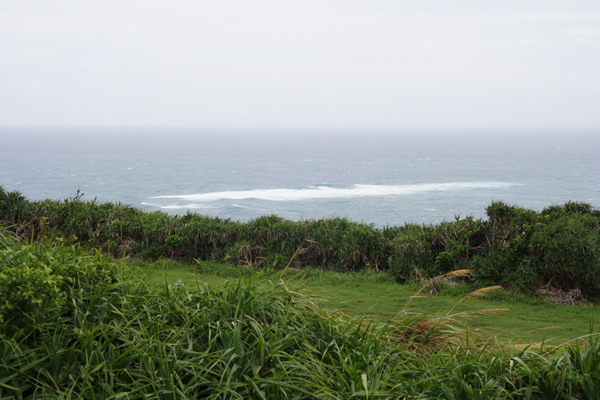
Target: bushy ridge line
point(109, 338)
point(520, 249)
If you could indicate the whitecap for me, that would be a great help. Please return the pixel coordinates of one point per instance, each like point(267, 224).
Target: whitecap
point(175, 206)
point(239, 206)
point(328, 192)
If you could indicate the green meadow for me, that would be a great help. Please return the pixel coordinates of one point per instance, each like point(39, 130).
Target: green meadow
point(103, 301)
point(507, 318)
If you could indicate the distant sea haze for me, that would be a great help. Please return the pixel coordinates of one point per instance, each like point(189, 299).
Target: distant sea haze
point(383, 178)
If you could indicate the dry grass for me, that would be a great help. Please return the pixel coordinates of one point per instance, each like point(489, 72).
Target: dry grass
point(460, 273)
point(484, 291)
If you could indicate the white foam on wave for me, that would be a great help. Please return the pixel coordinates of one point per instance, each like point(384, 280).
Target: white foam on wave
point(176, 207)
point(326, 192)
point(239, 206)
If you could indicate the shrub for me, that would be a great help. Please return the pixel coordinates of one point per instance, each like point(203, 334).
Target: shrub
point(15, 209)
point(565, 253)
point(35, 278)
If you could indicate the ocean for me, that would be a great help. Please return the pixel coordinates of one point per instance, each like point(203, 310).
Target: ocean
point(379, 177)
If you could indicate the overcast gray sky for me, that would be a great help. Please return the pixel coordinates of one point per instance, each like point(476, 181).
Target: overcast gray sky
point(302, 63)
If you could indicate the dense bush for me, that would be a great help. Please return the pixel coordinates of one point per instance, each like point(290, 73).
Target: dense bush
point(434, 249)
point(518, 248)
point(566, 253)
point(34, 278)
point(121, 230)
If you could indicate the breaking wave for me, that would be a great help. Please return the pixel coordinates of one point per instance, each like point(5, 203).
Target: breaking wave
point(175, 207)
point(328, 192)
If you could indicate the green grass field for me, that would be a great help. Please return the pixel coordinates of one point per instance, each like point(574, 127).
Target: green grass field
point(77, 324)
point(377, 295)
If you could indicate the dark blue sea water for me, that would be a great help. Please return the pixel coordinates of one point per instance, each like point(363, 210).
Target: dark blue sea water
point(380, 177)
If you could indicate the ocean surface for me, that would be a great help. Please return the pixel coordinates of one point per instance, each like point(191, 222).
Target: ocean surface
point(383, 178)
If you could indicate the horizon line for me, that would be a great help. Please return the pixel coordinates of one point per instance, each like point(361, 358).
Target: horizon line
point(303, 127)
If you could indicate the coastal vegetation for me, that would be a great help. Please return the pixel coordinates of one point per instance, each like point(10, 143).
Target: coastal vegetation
point(556, 250)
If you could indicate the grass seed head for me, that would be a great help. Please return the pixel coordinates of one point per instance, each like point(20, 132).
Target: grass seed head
point(484, 291)
point(460, 273)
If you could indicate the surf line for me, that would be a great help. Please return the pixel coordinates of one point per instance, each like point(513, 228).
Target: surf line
point(327, 192)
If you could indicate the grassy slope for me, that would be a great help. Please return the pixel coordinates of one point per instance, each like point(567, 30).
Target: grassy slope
point(379, 296)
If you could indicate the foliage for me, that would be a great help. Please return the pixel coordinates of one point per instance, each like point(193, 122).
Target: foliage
point(566, 252)
point(521, 249)
point(36, 277)
point(259, 340)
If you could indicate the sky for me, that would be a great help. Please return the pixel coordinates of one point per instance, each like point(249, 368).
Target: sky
point(300, 64)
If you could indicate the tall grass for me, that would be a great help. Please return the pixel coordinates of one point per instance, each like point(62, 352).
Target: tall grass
point(251, 339)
